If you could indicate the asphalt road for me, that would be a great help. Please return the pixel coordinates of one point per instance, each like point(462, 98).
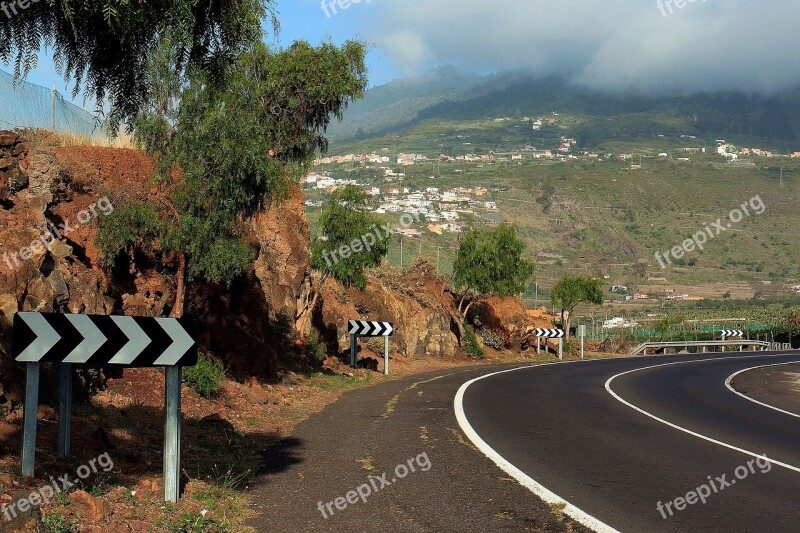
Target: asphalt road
point(616, 437)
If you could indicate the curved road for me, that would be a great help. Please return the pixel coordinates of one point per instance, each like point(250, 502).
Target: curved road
point(616, 437)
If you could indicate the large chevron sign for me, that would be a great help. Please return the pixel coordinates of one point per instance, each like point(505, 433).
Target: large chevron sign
point(550, 333)
point(100, 340)
point(370, 328)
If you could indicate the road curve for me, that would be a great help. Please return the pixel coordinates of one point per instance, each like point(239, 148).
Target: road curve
point(616, 437)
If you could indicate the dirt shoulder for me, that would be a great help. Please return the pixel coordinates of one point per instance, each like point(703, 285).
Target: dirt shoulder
point(221, 444)
point(778, 386)
point(393, 458)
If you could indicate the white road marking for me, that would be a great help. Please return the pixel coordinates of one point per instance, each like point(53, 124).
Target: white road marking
point(733, 376)
point(690, 432)
point(529, 483)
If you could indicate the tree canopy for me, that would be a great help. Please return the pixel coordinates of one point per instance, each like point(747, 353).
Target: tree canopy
point(572, 290)
point(490, 263)
point(225, 146)
point(107, 44)
point(353, 239)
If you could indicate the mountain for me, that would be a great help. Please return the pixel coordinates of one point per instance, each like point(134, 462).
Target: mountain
point(397, 103)
point(450, 95)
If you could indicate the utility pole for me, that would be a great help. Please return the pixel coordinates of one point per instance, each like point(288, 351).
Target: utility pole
point(401, 252)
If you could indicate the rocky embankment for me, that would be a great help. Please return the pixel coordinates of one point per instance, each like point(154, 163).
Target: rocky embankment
point(48, 190)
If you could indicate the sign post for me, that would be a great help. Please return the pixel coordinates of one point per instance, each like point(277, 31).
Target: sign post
point(64, 409)
point(71, 340)
point(582, 335)
point(551, 334)
point(369, 328)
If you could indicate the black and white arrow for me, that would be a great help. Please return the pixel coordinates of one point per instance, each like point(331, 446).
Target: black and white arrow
point(732, 333)
point(99, 340)
point(550, 333)
point(370, 328)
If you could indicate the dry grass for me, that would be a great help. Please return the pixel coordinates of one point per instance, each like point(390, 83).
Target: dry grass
point(100, 139)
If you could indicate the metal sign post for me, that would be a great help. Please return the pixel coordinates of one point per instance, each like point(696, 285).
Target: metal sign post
point(71, 340)
point(172, 433)
point(64, 409)
point(551, 334)
point(368, 328)
point(582, 335)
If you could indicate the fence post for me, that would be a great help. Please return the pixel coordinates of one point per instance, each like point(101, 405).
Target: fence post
point(54, 107)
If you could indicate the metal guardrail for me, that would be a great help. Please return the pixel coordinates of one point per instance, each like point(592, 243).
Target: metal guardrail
point(705, 345)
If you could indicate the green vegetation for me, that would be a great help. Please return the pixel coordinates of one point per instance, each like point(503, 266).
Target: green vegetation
point(225, 146)
point(353, 240)
point(316, 348)
point(107, 44)
point(192, 522)
point(489, 263)
point(206, 377)
point(56, 522)
point(470, 343)
point(573, 290)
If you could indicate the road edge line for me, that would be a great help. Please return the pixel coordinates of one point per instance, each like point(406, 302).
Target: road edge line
point(523, 479)
point(729, 384)
point(689, 431)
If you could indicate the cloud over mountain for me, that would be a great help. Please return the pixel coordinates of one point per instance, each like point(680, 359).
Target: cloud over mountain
point(614, 44)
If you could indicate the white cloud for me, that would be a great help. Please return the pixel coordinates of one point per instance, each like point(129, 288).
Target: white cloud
point(613, 44)
point(407, 48)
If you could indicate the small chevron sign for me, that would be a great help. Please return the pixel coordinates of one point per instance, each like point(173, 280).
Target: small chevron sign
point(550, 333)
point(100, 340)
point(370, 328)
point(732, 333)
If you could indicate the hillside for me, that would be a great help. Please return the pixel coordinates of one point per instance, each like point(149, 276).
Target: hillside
point(585, 210)
point(448, 95)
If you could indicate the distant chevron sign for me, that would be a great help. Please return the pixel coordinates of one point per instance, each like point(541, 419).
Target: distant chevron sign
point(100, 340)
point(550, 333)
point(369, 328)
point(732, 333)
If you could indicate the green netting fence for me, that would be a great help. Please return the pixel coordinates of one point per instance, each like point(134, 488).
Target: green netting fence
point(27, 105)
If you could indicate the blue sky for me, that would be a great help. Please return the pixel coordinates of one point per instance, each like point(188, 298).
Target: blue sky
point(300, 19)
point(614, 45)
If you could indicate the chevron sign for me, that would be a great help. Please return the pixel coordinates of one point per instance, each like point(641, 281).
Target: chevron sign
point(732, 333)
point(100, 340)
point(550, 333)
point(369, 328)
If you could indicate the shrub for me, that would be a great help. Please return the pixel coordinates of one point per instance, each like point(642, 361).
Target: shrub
point(316, 348)
point(206, 377)
point(471, 345)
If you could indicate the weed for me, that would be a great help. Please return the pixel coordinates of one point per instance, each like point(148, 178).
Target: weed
point(471, 345)
point(206, 377)
point(58, 523)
